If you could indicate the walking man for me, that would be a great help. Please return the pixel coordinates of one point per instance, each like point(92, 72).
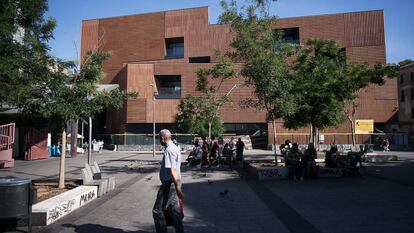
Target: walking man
point(170, 189)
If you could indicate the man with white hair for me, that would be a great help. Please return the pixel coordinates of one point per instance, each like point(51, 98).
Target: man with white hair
point(169, 192)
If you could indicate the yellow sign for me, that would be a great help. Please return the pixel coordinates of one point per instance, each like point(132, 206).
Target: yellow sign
point(364, 126)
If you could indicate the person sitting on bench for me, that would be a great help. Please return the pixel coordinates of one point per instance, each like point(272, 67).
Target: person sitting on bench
point(308, 161)
point(194, 158)
point(331, 157)
point(293, 161)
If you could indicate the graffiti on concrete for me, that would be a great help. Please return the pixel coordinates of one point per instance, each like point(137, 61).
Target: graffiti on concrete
point(60, 210)
point(86, 197)
point(270, 173)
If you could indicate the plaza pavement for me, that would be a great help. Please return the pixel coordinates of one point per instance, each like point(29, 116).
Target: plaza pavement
point(382, 201)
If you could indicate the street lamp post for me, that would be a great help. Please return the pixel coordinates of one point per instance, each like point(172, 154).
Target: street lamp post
point(154, 92)
point(90, 141)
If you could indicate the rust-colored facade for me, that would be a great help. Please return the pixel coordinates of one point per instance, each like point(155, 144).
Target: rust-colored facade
point(139, 47)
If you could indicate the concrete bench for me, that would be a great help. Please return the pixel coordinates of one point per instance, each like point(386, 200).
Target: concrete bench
point(102, 185)
point(92, 176)
point(52, 209)
point(97, 173)
point(330, 172)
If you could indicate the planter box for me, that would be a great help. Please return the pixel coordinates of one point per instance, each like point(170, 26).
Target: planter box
point(52, 209)
point(373, 158)
point(267, 172)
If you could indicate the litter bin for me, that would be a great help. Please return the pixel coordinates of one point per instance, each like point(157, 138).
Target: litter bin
point(16, 198)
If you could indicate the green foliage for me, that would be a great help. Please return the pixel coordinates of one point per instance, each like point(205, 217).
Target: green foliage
point(38, 84)
point(191, 118)
point(197, 113)
point(264, 56)
point(24, 34)
point(62, 97)
point(325, 82)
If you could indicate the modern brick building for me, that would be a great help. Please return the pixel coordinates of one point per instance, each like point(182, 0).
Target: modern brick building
point(167, 47)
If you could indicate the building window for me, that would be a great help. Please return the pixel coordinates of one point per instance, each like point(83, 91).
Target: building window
point(174, 47)
point(412, 113)
point(205, 59)
point(402, 79)
point(289, 35)
point(402, 96)
point(412, 76)
point(168, 86)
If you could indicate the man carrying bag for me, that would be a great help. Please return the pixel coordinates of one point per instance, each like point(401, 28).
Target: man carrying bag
point(169, 198)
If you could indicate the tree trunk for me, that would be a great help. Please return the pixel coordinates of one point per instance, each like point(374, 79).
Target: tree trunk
point(311, 134)
point(62, 160)
point(353, 133)
point(209, 130)
point(274, 139)
point(317, 139)
point(74, 139)
point(315, 133)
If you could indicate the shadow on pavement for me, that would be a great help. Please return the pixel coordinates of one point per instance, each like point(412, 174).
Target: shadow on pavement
point(87, 228)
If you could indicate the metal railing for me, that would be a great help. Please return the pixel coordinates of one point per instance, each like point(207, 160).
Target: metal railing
point(7, 136)
point(141, 139)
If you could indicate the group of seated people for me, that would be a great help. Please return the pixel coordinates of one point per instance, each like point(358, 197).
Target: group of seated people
point(210, 153)
point(334, 160)
point(301, 165)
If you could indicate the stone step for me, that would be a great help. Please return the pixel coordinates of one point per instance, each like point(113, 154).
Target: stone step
point(52, 209)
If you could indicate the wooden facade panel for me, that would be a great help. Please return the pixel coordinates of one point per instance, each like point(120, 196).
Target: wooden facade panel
point(231, 112)
point(89, 37)
point(364, 29)
point(131, 38)
point(200, 38)
point(369, 54)
point(180, 22)
point(386, 91)
point(137, 45)
point(322, 26)
point(136, 110)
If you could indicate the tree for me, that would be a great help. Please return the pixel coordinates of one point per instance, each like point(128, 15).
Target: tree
point(359, 76)
point(62, 97)
point(325, 83)
point(24, 34)
point(39, 85)
point(264, 56)
point(201, 114)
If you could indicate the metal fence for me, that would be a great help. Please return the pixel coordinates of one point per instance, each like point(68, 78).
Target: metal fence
point(141, 139)
point(7, 136)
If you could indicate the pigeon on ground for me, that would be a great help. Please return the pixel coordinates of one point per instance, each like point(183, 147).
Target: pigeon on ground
point(224, 193)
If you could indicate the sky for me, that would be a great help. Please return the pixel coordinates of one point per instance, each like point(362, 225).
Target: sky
point(399, 29)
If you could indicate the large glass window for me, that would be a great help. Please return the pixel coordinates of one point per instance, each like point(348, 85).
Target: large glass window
point(174, 47)
point(289, 35)
point(402, 96)
point(168, 86)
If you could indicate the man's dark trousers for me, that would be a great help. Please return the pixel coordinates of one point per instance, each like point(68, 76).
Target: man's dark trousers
point(167, 196)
